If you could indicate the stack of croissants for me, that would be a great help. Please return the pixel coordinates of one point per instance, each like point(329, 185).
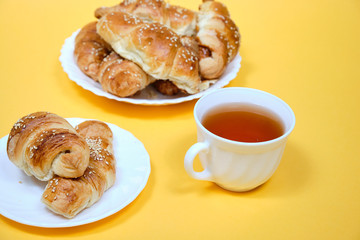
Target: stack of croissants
point(141, 42)
point(77, 163)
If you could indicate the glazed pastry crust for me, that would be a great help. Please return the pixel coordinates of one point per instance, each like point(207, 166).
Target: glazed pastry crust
point(67, 197)
point(122, 77)
point(97, 60)
point(218, 38)
point(182, 50)
point(44, 144)
point(180, 20)
point(90, 50)
point(154, 47)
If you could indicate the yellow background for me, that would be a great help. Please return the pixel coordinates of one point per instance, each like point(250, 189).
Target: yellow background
point(305, 52)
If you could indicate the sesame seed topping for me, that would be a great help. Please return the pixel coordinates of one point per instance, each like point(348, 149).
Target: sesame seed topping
point(96, 150)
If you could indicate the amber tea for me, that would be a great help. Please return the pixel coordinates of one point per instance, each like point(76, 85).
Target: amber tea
point(243, 123)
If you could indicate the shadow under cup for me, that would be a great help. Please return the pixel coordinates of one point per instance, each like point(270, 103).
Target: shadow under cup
point(238, 166)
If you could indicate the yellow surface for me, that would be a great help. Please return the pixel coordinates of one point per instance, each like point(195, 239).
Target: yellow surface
point(305, 52)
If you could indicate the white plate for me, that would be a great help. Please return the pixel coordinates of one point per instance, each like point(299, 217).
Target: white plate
point(149, 96)
point(20, 194)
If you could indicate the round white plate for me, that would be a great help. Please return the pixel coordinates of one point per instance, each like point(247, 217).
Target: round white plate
point(148, 96)
point(20, 194)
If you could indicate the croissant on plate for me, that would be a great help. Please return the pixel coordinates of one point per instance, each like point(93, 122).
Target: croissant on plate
point(97, 60)
point(154, 47)
point(216, 33)
point(181, 20)
point(167, 87)
point(69, 196)
point(44, 144)
point(218, 38)
point(90, 50)
point(122, 77)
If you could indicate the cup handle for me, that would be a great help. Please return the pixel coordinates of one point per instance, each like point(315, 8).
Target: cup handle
point(189, 160)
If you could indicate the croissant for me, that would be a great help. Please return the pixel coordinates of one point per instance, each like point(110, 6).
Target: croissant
point(166, 87)
point(122, 77)
point(44, 144)
point(154, 47)
point(218, 38)
point(66, 196)
point(180, 20)
point(90, 50)
point(97, 60)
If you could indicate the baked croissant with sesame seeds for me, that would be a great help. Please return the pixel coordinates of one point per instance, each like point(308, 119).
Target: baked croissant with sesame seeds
point(179, 19)
point(154, 47)
point(218, 38)
point(67, 197)
point(44, 144)
point(166, 87)
point(96, 59)
point(122, 77)
point(90, 50)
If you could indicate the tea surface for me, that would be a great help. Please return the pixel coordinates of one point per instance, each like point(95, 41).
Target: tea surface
point(243, 123)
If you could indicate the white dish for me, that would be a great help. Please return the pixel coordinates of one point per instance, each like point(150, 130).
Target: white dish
point(21, 194)
point(149, 96)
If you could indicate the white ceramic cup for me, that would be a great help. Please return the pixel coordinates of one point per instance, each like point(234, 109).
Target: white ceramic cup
point(237, 166)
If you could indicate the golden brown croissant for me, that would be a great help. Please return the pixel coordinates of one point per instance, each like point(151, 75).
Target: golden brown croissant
point(180, 20)
point(218, 38)
point(90, 50)
point(154, 47)
point(96, 59)
point(122, 77)
point(44, 144)
point(68, 197)
point(166, 87)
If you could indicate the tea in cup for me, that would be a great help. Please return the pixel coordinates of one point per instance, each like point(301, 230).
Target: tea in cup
point(242, 134)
